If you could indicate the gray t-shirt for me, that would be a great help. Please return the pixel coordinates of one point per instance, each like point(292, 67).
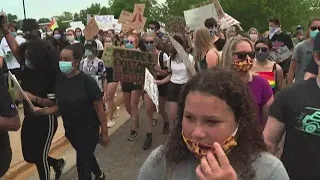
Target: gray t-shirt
point(303, 55)
point(266, 167)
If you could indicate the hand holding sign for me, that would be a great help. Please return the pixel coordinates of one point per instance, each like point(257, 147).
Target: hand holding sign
point(184, 56)
point(150, 86)
point(91, 29)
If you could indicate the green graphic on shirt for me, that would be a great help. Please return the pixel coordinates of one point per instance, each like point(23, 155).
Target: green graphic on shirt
point(310, 121)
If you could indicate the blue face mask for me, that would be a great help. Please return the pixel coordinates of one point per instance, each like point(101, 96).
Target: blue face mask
point(65, 67)
point(57, 36)
point(28, 64)
point(14, 34)
point(129, 46)
point(313, 34)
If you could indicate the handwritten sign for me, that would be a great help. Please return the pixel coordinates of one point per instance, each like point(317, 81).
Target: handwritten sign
point(196, 17)
point(105, 22)
point(133, 21)
point(150, 86)
point(228, 21)
point(16, 83)
point(280, 54)
point(175, 24)
point(184, 56)
point(91, 29)
point(129, 65)
point(220, 12)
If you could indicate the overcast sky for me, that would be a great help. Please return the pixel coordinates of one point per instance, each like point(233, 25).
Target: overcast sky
point(47, 8)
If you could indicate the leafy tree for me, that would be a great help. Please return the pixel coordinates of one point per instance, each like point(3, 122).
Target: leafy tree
point(12, 18)
point(43, 20)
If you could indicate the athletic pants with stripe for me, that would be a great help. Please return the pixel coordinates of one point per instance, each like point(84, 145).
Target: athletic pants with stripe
point(36, 136)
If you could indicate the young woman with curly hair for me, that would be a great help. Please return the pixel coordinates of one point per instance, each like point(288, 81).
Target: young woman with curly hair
point(39, 68)
point(215, 107)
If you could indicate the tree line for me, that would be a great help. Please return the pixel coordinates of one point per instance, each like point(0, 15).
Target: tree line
point(250, 13)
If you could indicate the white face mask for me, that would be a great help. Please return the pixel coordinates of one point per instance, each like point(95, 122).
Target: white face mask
point(70, 38)
point(253, 37)
point(78, 34)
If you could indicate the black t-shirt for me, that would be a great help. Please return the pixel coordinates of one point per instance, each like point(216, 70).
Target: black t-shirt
point(7, 109)
point(280, 40)
point(37, 83)
point(312, 67)
point(298, 107)
point(75, 97)
point(220, 44)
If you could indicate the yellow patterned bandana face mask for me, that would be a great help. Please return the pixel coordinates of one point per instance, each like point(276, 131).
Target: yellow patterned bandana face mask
point(200, 150)
point(243, 66)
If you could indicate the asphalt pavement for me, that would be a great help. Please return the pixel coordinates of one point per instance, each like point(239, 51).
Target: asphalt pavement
point(121, 159)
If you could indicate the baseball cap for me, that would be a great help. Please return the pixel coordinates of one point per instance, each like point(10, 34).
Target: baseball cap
point(91, 45)
point(316, 46)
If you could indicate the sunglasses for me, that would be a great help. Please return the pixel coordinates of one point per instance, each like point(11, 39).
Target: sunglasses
point(315, 28)
point(148, 42)
point(152, 28)
point(130, 42)
point(262, 49)
point(243, 55)
point(108, 41)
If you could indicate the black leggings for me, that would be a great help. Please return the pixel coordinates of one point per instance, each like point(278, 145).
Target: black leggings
point(36, 137)
point(84, 141)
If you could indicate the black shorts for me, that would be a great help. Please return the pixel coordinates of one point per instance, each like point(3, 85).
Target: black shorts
point(162, 88)
point(285, 65)
point(128, 87)
point(110, 77)
point(173, 91)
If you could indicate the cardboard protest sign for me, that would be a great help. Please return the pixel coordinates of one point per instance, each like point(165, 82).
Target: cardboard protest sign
point(175, 24)
point(91, 29)
point(129, 65)
point(133, 21)
point(151, 87)
point(228, 21)
point(183, 55)
point(220, 12)
point(195, 17)
point(105, 22)
point(25, 97)
point(280, 54)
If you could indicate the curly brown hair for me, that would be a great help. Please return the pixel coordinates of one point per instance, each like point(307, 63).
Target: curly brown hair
point(227, 86)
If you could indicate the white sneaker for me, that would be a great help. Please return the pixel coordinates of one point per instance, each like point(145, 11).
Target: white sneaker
point(110, 123)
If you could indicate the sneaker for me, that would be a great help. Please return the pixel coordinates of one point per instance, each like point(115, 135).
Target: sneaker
point(110, 123)
point(58, 169)
point(133, 135)
point(148, 142)
point(102, 177)
point(166, 128)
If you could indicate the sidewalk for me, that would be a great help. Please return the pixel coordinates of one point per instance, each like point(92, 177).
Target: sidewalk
point(21, 170)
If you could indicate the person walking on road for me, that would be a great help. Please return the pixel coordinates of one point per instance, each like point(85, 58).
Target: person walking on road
point(39, 67)
point(81, 110)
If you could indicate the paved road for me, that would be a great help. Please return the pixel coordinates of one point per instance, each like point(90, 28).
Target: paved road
point(122, 159)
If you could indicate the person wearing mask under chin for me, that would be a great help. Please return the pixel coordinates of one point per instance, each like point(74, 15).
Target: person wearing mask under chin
point(280, 39)
point(71, 36)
